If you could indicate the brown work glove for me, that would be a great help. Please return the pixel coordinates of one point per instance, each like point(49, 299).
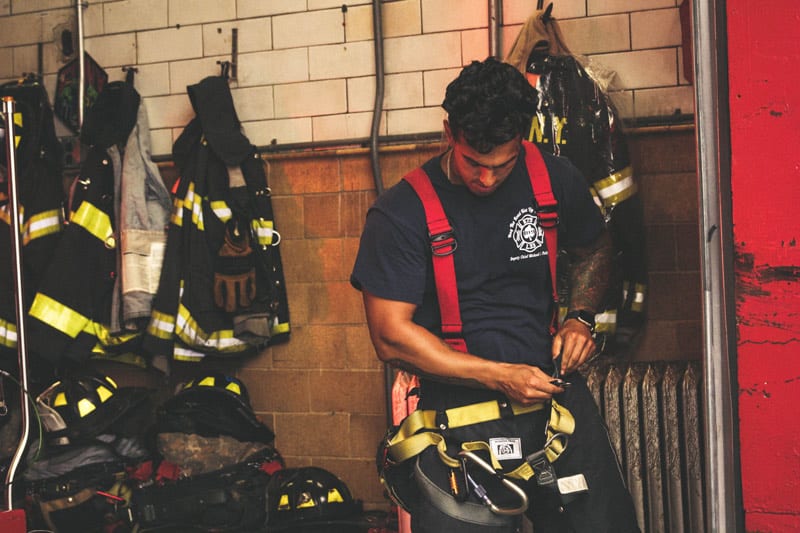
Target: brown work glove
point(235, 273)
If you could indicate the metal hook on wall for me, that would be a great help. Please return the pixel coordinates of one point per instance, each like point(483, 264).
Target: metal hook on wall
point(228, 68)
point(129, 74)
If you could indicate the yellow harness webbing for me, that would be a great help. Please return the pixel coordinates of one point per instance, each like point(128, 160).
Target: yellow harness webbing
point(421, 429)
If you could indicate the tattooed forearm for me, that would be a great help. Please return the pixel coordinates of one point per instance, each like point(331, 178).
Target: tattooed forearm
point(589, 274)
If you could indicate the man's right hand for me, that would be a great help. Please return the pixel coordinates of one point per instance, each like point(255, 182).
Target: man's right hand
point(525, 384)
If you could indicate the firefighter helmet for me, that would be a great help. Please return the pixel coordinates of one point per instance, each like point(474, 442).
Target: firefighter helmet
point(308, 495)
point(80, 407)
point(213, 405)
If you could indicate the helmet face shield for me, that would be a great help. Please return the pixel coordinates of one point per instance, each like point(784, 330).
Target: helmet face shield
point(51, 420)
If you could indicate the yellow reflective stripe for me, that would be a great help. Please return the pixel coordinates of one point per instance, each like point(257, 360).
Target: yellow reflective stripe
point(104, 335)
point(40, 225)
point(60, 400)
point(222, 210)
point(71, 323)
point(95, 221)
point(85, 406)
point(187, 329)
point(177, 212)
point(639, 297)
point(263, 230)
point(43, 224)
point(181, 353)
point(8, 334)
point(161, 325)
point(617, 187)
point(18, 122)
point(195, 203)
point(58, 315)
point(279, 328)
point(606, 322)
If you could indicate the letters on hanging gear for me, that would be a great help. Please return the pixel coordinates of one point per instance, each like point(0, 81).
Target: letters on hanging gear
point(40, 198)
point(577, 120)
point(186, 323)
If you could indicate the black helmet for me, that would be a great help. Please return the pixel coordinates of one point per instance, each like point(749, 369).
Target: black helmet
point(308, 495)
point(81, 407)
point(213, 405)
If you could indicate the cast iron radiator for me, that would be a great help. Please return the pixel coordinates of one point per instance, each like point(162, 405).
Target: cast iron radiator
point(653, 412)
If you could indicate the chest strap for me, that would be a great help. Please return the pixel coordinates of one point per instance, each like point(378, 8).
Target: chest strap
point(443, 240)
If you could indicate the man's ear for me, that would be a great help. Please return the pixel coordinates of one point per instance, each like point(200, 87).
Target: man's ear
point(448, 134)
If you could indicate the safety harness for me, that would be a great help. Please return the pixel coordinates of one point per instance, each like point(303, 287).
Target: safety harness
point(423, 428)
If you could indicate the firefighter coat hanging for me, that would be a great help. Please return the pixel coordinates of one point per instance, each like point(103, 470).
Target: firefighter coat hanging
point(576, 119)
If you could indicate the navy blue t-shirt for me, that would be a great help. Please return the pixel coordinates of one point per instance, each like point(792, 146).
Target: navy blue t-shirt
point(501, 263)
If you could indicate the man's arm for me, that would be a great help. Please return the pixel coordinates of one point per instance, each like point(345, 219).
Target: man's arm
point(402, 343)
point(590, 268)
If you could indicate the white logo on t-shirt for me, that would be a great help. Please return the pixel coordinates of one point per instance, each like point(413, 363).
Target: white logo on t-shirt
point(526, 233)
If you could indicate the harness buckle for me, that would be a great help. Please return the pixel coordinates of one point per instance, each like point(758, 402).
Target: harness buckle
point(444, 243)
point(481, 493)
point(548, 214)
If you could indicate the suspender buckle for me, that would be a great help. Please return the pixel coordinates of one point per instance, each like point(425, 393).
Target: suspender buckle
point(443, 244)
point(548, 215)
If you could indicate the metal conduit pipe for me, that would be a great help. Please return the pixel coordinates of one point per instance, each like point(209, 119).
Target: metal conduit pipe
point(16, 248)
point(81, 74)
point(377, 31)
point(719, 331)
point(495, 18)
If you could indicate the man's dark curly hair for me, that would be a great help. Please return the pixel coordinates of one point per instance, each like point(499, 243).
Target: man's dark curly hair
point(489, 103)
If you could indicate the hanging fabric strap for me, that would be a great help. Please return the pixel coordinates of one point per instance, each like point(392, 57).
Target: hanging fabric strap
point(443, 240)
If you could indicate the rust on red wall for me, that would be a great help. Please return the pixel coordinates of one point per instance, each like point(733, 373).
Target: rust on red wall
point(763, 57)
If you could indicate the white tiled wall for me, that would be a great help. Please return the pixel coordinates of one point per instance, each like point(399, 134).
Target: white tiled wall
point(306, 68)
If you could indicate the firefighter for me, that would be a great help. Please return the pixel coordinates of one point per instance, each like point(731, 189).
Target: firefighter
point(501, 378)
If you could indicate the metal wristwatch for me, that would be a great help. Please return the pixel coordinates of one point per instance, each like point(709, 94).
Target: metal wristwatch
point(584, 317)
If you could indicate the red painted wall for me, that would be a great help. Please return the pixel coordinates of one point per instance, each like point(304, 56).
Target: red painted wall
point(764, 78)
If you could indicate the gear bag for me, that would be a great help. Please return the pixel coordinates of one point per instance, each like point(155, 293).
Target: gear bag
point(230, 499)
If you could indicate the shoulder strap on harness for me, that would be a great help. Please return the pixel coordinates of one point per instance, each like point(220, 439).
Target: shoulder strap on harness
point(443, 241)
point(443, 244)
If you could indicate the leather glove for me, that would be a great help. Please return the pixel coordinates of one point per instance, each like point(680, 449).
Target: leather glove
point(235, 275)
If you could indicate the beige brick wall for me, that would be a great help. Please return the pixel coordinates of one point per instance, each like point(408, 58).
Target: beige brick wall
point(313, 64)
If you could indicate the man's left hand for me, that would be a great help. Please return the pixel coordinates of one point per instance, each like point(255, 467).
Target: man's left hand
point(575, 343)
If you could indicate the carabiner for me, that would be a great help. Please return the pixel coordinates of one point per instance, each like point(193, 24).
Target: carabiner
point(481, 492)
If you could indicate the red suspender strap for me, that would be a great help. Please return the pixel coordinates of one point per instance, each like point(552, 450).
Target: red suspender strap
point(547, 210)
point(443, 244)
